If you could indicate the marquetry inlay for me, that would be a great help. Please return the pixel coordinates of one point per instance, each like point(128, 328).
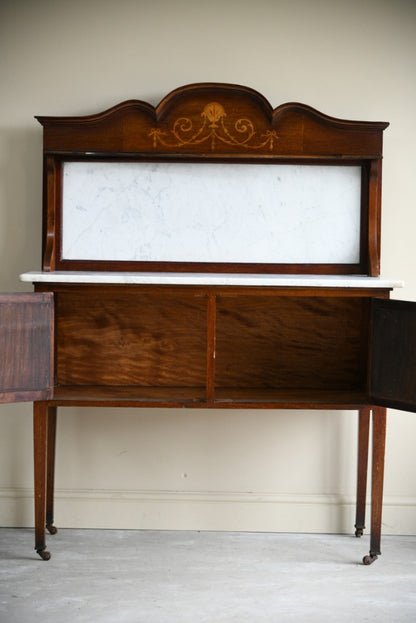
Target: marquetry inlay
point(213, 128)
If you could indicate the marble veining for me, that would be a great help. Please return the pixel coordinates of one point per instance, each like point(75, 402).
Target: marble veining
point(211, 212)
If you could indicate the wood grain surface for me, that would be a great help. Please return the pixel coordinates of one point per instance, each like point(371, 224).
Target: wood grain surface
point(140, 339)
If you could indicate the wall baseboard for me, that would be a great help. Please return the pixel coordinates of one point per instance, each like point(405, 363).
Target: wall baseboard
point(194, 510)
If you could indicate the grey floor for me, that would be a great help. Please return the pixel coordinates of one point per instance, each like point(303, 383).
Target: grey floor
point(111, 576)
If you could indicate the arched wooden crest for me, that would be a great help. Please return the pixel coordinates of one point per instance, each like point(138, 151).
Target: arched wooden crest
point(214, 123)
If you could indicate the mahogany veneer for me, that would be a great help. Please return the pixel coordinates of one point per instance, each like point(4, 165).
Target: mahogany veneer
point(206, 346)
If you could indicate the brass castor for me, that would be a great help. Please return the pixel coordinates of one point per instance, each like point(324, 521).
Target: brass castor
point(44, 554)
point(51, 528)
point(368, 560)
point(359, 532)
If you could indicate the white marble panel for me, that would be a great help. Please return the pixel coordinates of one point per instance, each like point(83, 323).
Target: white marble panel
point(211, 212)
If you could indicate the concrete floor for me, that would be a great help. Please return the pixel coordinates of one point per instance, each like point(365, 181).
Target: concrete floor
point(113, 576)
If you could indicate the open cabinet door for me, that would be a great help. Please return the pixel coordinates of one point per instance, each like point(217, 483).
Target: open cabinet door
point(393, 354)
point(26, 354)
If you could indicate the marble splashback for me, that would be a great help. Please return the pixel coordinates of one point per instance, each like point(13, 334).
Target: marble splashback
point(211, 212)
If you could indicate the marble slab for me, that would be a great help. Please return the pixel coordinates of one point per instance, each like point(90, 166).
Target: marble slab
point(206, 279)
point(211, 212)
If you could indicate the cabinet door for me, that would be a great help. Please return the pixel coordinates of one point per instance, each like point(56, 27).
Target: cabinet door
point(393, 354)
point(26, 356)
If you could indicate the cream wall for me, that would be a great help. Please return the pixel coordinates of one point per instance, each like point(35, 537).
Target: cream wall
point(237, 470)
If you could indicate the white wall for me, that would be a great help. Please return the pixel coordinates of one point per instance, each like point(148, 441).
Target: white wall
point(179, 469)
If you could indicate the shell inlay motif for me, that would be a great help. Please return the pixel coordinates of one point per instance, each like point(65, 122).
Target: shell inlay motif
point(213, 128)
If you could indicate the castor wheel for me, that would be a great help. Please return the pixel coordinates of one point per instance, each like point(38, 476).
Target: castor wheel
point(368, 560)
point(51, 528)
point(44, 554)
point(359, 532)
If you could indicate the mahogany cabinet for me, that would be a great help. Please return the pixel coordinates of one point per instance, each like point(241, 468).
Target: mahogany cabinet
point(210, 252)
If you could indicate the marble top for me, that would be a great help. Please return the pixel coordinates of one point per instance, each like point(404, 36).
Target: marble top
point(207, 279)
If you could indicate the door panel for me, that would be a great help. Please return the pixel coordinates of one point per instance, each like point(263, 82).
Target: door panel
point(26, 357)
point(393, 354)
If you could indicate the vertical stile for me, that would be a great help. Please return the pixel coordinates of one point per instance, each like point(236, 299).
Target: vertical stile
point(211, 313)
point(50, 214)
point(374, 218)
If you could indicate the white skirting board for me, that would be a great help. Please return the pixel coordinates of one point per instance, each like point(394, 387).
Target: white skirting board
point(215, 511)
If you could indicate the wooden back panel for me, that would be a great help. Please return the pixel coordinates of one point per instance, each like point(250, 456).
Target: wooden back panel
point(292, 342)
point(131, 338)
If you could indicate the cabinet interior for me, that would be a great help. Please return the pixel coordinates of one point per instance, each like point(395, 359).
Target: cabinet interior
point(209, 346)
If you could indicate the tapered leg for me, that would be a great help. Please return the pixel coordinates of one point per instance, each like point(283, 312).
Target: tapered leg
point(363, 439)
point(377, 481)
point(40, 447)
point(50, 480)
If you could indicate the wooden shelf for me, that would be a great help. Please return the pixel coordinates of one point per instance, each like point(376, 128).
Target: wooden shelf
point(290, 398)
point(88, 395)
